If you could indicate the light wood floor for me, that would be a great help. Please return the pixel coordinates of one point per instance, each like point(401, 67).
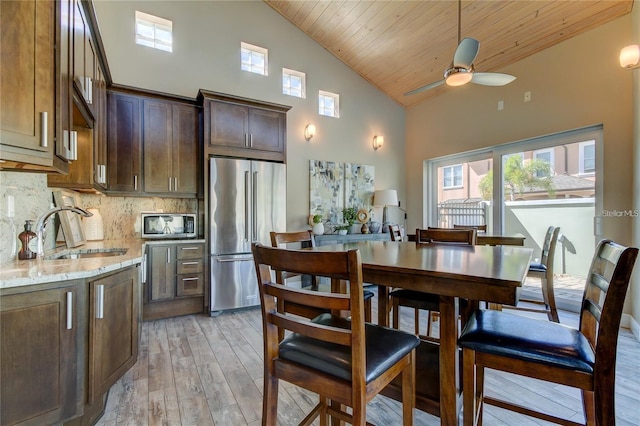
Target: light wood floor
point(198, 370)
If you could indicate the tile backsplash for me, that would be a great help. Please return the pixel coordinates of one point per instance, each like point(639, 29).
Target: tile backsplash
point(32, 198)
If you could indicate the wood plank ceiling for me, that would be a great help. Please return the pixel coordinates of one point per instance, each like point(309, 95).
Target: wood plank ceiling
point(399, 46)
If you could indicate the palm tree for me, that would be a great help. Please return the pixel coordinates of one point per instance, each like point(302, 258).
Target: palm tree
point(518, 176)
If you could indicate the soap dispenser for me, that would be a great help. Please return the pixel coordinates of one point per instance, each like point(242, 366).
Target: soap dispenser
point(28, 242)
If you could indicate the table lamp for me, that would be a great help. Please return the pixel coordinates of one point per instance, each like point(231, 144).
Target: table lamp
point(385, 197)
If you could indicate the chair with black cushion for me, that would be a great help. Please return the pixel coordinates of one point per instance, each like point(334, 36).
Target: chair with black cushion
point(544, 271)
point(345, 361)
point(427, 301)
point(478, 228)
point(278, 239)
point(583, 358)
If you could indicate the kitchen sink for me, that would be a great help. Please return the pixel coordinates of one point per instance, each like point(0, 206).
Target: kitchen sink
point(87, 253)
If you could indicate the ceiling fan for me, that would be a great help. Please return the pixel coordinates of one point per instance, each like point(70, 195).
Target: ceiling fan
point(461, 70)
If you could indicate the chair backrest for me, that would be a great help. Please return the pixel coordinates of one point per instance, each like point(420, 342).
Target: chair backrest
point(395, 232)
point(478, 228)
point(279, 239)
point(450, 236)
point(341, 265)
point(603, 300)
point(549, 248)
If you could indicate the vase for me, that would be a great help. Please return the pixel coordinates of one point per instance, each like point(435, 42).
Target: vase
point(374, 227)
point(342, 232)
point(355, 228)
point(318, 228)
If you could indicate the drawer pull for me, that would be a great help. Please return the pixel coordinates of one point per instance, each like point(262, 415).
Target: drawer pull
point(190, 263)
point(189, 248)
point(190, 279)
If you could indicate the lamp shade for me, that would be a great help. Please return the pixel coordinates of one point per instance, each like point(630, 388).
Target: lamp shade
point(385, 197)
point(630, 56)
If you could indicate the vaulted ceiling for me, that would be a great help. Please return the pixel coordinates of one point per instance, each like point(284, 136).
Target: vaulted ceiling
point(399, 46)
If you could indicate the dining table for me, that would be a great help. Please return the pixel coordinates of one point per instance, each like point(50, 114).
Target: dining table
point(476, 273)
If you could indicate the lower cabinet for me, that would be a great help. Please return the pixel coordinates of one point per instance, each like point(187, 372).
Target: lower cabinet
point(39, 355)
point(175, 280)
point(62, 346)
point(113, 329)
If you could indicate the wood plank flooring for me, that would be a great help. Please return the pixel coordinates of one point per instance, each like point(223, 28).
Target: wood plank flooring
point(198, 370)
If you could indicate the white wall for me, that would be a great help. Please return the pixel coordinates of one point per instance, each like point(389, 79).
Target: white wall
point(206, 54)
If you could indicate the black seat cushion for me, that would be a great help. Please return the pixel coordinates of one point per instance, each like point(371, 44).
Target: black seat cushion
point(529, 339)
point(417, 299)
point(384, 346)
point(537, 267)
point(367, 294)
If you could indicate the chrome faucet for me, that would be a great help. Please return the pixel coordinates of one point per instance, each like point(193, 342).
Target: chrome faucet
point(43, 219)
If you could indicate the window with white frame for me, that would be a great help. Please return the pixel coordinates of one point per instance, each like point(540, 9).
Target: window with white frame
point(452, 176)
point(587, 157)
point(328, 104)
point(544, 155)
point(154, 32)
point(293, 83)
point(254, 58)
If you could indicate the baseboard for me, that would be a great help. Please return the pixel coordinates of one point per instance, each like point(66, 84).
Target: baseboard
point(629, 322)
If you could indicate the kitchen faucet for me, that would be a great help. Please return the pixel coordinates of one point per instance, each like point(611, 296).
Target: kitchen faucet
point(43, 219)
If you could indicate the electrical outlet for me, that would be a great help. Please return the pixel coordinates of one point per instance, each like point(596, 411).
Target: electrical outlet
point(500, 105)
point(527, 96)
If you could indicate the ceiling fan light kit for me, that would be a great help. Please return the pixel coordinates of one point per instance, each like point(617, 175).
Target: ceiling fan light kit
point(457, 76)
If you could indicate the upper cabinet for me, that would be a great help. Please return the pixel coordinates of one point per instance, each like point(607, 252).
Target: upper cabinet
point(170, 147)
point(153, 144)
point(28, 86)
point(242, 127)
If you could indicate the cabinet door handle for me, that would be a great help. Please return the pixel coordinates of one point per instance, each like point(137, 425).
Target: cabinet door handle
point(168, 254)
point(74, 145)
point(135, 182)
point(69, 310)
point(104, 173)
point(250, 140)
point(246, 139)
point(100, 301)
point(175, 184)
point(169, 183)
point(44, 129)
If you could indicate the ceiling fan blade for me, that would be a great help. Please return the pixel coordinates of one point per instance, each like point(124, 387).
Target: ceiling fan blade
point(492, 78)
point(466, 52)
point(423, 88)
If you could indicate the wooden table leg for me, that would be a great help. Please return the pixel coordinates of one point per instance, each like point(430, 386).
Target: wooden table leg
point(449, 362)
point(383, 305)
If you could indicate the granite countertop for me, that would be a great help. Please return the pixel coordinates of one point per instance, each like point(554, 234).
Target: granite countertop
point(40, 271)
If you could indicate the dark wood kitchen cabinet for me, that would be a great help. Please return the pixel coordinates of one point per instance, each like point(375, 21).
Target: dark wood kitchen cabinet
point(28, 120)
point(175, 280)
point(170, 145)
point(124, 143)
point(39, 354)
point(113, 329)
point(242, 127)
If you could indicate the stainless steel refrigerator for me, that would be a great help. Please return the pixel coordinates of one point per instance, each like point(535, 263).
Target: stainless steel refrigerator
point(247, 200)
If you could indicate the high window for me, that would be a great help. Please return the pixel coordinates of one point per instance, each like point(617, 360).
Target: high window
point(254, 58)
point(154, 32)
point(293, 83)
point(328, 104)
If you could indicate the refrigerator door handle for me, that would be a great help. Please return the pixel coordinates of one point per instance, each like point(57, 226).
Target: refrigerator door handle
point(246, 206)
point(254, 203)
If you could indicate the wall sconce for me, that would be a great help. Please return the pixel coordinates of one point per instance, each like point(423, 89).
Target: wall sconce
point(309, 132)
point(378, 141)
point(630, 56)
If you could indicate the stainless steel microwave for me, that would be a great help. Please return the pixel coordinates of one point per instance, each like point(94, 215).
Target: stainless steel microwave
point(168, 225)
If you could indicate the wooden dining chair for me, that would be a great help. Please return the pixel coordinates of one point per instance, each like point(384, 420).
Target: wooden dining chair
point(544, 271)
point(419, 300)
point(478, 228)
point(345, 361)
point(278, 239)
point(583, 358)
